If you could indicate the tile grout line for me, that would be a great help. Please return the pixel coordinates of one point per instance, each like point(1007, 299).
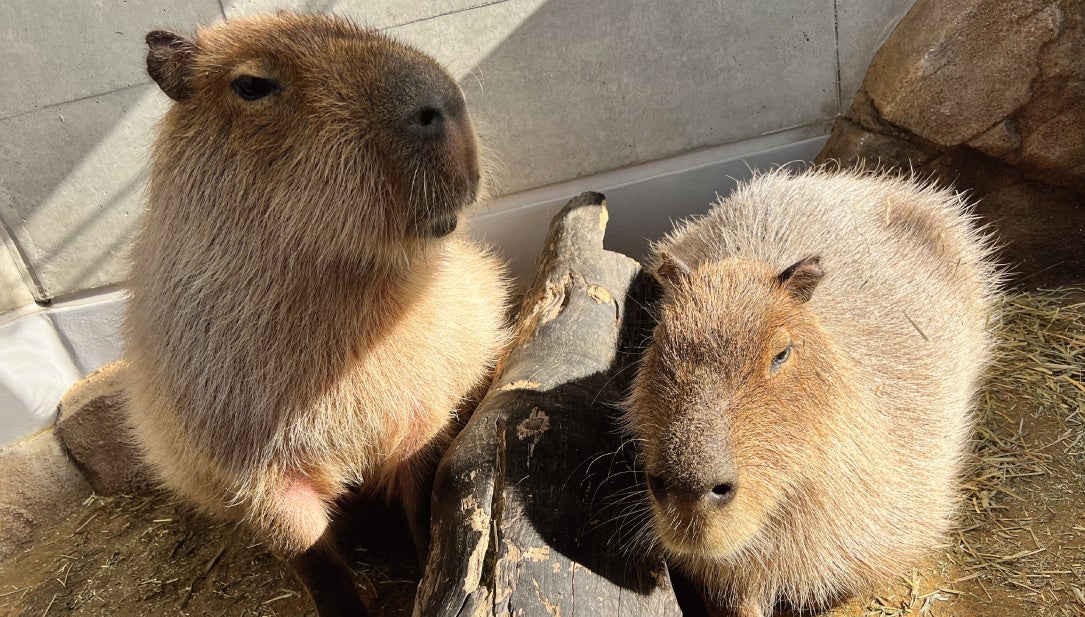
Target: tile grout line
point(839, 82)
point(421, 19)
point(75, 100)
point(22, 262)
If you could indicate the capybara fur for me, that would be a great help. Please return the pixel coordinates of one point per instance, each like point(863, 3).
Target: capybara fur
point(804, 408)
point(305, 318)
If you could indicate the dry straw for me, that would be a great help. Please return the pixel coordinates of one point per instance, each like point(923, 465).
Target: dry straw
point(1021, 547)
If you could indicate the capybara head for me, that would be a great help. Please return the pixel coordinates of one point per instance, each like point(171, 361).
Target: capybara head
point(725, 406)
point(309, 132)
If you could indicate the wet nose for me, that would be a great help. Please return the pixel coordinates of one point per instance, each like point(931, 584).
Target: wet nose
point(427, 121)
point(436, 109)
point(714, 494)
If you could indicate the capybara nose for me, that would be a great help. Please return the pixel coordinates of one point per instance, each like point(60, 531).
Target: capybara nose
point(715, 495)
point(427, 121)
point(721, 494)
point(436, 107)
point(657, 486)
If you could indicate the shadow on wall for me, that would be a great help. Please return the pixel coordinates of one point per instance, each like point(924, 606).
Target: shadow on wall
point(71, 188)
point(559, 89)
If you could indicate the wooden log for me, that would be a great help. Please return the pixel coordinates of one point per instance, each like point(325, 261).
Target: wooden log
point(535, 507)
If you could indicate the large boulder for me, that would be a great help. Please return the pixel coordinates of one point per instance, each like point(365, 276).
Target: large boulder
point(989, 97)
point(91, 425)
point(39, 486)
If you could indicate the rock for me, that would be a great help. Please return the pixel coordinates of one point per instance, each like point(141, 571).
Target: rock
point(954, 68)
point(1005, 78)
point(91, 426)
point(39, 486)
point(988, 97)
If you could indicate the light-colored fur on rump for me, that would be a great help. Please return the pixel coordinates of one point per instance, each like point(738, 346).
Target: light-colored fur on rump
point(905, 308)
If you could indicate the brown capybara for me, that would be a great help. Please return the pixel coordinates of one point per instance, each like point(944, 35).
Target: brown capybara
point(305, 320)
point(805, 405)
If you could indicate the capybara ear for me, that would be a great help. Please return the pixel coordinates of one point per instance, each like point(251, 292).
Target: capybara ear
point(169, 62)
point(801, 277)
point(671, 270)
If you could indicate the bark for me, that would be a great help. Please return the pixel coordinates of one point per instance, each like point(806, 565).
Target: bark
point(536, 511)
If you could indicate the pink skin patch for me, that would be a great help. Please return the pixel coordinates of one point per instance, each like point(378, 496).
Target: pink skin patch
point(302, 511)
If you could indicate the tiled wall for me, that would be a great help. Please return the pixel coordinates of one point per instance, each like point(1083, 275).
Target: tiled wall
point(559, 89)
point(658, 103)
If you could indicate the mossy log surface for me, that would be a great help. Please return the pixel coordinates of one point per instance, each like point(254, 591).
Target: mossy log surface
point(531, 510)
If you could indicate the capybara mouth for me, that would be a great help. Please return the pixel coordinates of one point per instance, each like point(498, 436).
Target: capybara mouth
point(681, 537)
point(441, 226)
point(697, 535)
point(443, 218)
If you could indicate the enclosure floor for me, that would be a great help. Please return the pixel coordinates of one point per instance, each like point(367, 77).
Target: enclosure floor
point(1020, 551)
point(148, 555)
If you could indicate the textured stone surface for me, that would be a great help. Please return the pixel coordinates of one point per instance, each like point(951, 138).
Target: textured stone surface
point(862, 26)
point(39, 486)
point(91, 427)
point(990, 98)
point(371, 13)
point(54, 51)
point(1006, 78)
point(636, 79)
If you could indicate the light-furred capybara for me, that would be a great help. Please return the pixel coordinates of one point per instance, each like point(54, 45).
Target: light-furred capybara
point(804, 408)
point(305, 318)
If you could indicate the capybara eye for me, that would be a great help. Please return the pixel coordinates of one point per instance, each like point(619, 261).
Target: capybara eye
point(779, 359)
point(252, 88)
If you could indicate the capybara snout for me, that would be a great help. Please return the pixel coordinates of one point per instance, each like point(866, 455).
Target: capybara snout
point(691, 474)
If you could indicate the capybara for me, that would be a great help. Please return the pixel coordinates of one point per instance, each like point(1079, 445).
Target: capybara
point(804, 408)
point(305, 319)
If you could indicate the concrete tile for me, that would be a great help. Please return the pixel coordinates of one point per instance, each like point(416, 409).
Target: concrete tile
point(13, 290)
point(572, 88)
point(54, 51)
point(371, 13)
point(90, 331)
point(71, 183)
point(863, 25)
point(35, 371)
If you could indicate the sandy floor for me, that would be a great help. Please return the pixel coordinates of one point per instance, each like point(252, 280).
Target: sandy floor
point(1020, 552)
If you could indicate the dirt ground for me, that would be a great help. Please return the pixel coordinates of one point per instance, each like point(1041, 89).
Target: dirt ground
point(1020, 551)
point(149, 556)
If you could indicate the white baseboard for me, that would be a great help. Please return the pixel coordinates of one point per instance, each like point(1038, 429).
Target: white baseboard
point(643, 200)
point(43, 351)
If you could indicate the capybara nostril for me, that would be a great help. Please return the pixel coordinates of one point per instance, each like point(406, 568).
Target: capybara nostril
point(658, 486)
point(427, 121)
point(721, 494)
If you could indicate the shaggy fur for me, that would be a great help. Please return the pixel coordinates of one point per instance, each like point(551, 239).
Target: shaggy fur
point(843, 457)
point(301, 320)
